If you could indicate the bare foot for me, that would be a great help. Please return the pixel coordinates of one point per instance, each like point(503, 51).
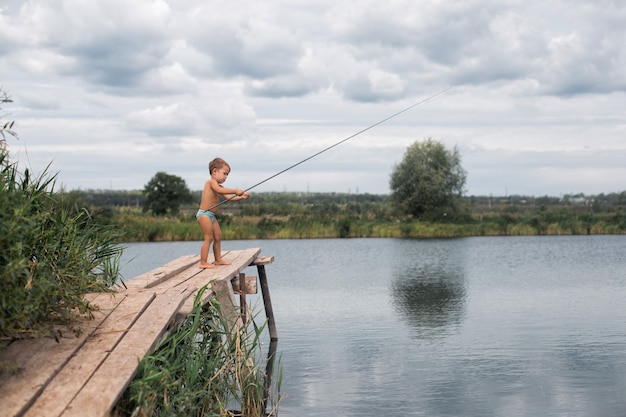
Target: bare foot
point(221, 262)
point(204, 265)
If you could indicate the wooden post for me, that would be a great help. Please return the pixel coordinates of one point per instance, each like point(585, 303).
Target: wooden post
point(269, 372)
point(242, 298)
point(267, 302)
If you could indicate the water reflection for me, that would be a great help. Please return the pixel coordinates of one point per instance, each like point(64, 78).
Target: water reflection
point(515, 326)
point(431, 295)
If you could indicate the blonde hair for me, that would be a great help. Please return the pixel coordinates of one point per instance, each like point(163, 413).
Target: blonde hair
point(217, 163)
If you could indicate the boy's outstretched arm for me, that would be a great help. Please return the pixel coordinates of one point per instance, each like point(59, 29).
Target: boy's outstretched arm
point(244, 196)
point(219, 189)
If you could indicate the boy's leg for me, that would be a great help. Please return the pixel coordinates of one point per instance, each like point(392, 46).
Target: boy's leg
point(207, 231)
point(217, 245)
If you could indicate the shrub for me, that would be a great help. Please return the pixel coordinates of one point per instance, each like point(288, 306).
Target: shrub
point(50, 256)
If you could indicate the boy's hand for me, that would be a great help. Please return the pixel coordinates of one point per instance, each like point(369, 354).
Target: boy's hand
point(245, 196)
point(240, 193)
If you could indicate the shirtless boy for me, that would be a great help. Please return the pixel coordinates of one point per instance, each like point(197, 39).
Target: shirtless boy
point(213, 189)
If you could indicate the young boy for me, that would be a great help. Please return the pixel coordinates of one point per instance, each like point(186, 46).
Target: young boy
point(213, 189)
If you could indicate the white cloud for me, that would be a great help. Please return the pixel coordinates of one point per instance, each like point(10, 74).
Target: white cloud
point(114, 91)
point(170, 79)
point(176, 119)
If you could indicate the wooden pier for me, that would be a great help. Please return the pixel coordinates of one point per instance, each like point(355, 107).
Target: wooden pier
point(85, 375)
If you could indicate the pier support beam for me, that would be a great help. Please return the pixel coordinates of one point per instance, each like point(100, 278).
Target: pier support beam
point(260, 263)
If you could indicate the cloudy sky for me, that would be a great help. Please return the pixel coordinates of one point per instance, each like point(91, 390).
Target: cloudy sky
point(112, 91)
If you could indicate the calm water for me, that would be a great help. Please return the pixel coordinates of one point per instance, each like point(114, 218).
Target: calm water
point(509, 326)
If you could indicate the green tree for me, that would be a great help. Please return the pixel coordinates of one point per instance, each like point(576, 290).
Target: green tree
point(429, 180)
point(165, 193)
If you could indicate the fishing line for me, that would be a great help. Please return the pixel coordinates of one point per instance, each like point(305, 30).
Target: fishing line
point(338, 143)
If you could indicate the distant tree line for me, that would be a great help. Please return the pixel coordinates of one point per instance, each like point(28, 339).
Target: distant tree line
point(426, 186)
point(289, 203)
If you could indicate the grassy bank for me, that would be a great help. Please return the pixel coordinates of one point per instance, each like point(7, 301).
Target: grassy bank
point(140, 227)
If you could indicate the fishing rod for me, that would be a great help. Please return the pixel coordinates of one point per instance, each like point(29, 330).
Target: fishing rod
point(338, 143)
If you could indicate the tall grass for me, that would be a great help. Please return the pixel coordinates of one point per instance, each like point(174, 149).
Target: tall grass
point(142, 227)
point(203, 369)
point(50, 256)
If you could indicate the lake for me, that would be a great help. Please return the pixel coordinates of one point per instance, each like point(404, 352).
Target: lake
point(485, 326)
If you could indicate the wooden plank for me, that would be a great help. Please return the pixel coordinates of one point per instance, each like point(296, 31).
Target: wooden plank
point(250, 286)
point(162, 273)
point(195, 272)
point(103, 390)
point(246, 256)
point(239, 261)
point(62, 389)
point(195, 278)
point(40, 360)
point(263, 260)
point(179, 279)
point(179, 271)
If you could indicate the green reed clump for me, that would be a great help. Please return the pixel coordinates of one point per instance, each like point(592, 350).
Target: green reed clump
point(386, 230)
point(202, 369)
point(50, 256)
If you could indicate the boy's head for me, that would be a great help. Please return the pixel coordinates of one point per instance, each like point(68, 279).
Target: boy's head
point(217, 163)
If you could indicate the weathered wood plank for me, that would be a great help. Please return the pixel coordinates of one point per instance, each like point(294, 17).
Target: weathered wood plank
point(250, 286)
point(194, 272)
point(263, 260)
point(180, 279)
point(91, 355)
point(102, 391)
point(239, 261)
point(163, 273)
point(225, 273)
point(40, 360)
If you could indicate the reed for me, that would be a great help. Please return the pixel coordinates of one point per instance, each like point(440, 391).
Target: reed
point(204, 368)
point(604, 228)
point(142, 227)
point(52, 254)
